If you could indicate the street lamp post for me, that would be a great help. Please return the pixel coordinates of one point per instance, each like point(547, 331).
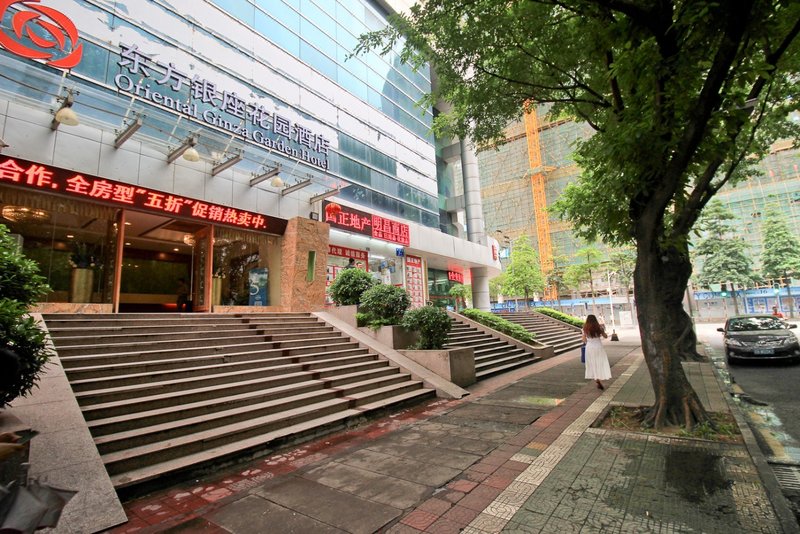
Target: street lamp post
point(614, 336)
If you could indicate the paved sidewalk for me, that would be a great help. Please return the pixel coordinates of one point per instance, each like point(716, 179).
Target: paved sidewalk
point(517, 455)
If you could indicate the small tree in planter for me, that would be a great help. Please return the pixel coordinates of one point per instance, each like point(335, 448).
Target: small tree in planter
point(433, 325)
point(349, 285)
point(384, 305)
point(23, 344)
point(461, 293)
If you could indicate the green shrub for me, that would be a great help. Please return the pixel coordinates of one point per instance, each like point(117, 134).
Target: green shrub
point(349, 285)
point(23, 343)
point(564, 317)
point(384, 305)
point(433, 325)
point(496, 322)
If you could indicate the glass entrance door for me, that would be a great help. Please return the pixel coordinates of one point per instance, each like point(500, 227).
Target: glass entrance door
point(201, 269)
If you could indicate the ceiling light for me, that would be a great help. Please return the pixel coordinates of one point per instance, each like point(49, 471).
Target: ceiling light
point(186, 150)
point(258, 178)
point(230, 162)
point(276, 182)
point(128, 132)
point(25, 214)
point(65, 114)
point(176, 249)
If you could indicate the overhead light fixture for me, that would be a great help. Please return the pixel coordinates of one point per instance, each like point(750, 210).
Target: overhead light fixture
point(272, 173)
point(188, 239)
point(24, 214)
point(65, 114)
point(323, 196)
point(187, 150)
point(128, 132)
point(230, 162)
point(295, 187)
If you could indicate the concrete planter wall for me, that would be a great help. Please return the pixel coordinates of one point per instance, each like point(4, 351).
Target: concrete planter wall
point(394, 336)
point(455, 365)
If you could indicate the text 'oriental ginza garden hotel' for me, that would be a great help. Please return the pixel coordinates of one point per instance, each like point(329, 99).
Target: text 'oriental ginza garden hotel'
point(230, 143)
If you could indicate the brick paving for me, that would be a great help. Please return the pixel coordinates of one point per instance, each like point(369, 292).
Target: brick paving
point(517, 456)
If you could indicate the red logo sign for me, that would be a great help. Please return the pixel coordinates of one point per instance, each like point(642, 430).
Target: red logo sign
point(494, 252)
point(55, 180)
point(53, 34)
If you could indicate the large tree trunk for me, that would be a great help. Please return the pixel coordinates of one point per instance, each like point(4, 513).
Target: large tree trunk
point(668, 338)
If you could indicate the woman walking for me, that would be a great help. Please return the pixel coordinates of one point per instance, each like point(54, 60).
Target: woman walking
point(597, 367)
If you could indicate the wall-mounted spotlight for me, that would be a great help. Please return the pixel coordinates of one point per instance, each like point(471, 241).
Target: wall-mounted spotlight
point(272, 173)
point(128, 132)
point(295, 187)
point(230, 162)
point(65, 114)
point(187, 150)
point(323, 196)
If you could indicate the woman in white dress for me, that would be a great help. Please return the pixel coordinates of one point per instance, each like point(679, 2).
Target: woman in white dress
point(597, 367)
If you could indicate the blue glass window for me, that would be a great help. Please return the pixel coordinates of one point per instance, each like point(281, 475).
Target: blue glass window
point(242, 10)
point(272, 30)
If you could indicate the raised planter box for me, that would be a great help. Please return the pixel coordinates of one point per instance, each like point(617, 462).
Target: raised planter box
point(394, 336)
point(455, 365)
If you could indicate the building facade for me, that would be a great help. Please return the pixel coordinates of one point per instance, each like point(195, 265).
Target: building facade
point(235, 146)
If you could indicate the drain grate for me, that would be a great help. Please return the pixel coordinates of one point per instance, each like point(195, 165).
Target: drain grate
point(788, 476)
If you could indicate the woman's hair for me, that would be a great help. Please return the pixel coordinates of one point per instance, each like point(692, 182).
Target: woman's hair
point(591, 327)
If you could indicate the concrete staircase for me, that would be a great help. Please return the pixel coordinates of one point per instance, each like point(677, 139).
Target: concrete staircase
point(559, 335)
point(164, 393)
point(493, 355)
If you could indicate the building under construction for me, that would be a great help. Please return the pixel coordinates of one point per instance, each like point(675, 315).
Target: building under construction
point(524, 174)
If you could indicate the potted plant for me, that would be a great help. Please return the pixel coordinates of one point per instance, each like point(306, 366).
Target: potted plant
point(23, 346)
point(433, 324)
point(381, 311)
point(349, 285)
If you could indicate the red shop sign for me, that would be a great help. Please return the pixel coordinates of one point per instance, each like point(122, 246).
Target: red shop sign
point(19, 172)
point(454, 276)
point(364, 223)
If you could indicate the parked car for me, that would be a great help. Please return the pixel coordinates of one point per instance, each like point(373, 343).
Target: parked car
point(759, 337)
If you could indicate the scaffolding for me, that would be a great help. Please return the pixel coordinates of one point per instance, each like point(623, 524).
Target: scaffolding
point(538, 182)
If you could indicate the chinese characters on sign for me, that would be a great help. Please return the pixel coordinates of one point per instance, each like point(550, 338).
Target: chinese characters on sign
point(344, 252)
point(23, 173)
point(223, 109)
point(455, 276)
point(367, 224)
point(414, 282)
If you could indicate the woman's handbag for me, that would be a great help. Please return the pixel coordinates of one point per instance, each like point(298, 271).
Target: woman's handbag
point(583, 353)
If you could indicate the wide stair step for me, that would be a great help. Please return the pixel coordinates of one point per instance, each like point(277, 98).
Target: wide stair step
point(165, 393)
point(557, 334)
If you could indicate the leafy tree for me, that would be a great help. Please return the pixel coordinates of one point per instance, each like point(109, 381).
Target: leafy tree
point(725, 255)
point(623, 262)
point(461, 293)
point(555, 278)
point(683, 97)
point(780, 256)
point(496, 286)
point(523, 275)
point(577, 274)
point(23, 343)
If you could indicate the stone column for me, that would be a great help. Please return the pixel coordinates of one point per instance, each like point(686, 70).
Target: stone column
point(302, 238)
point(472, 193)
point(480, 288)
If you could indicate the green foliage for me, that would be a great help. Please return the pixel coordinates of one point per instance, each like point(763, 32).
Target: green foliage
point(362, 319)
point(622, 261)
point(565, 317)
point(23, 343)
point(383, 305)
point(433, 325)
point(725, 255)
point(461, 293)
point(19, 276)
point(523, 276)
point(780, 256)
point(349, 285)
point(496, 286)
point(501, 325)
